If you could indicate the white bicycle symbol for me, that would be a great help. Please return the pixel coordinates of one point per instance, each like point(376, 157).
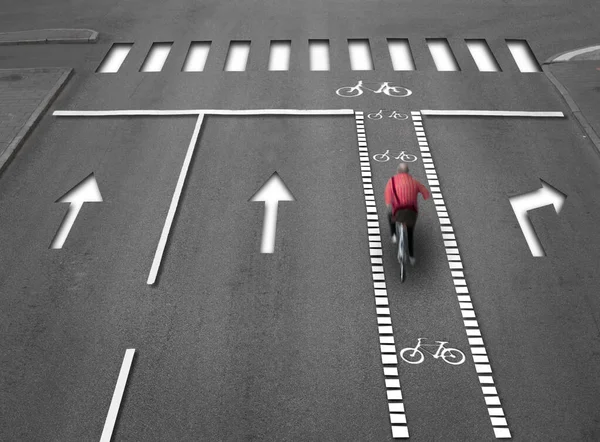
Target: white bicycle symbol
point(406, 157)
point(414, 355)
point(355, 91)
point(394, 114)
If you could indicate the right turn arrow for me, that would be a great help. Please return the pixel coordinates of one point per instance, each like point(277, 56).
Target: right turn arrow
point(273, 191)
point(541, 197)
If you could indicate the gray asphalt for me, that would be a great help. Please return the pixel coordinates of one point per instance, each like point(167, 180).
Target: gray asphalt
point(233, 344)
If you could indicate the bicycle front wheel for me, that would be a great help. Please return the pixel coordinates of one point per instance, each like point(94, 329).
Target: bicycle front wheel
point(409, 158)
point(397, 91)
point(349, 91)
point(453, 356)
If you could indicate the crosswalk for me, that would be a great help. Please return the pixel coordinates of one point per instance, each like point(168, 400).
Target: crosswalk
point(401, 54)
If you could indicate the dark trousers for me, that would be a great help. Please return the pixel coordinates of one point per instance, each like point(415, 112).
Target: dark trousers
point(410, 218)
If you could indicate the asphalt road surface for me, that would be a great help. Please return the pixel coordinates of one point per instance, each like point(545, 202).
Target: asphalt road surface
point(234, 344)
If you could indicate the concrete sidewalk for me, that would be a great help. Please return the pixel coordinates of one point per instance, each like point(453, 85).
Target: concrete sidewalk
point(25, 94)
point(49, 36)
point(579, 84)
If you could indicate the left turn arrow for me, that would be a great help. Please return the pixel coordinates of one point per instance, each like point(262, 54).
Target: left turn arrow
point(86, 191)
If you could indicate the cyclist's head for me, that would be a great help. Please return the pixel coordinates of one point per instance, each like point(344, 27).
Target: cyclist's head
point(402, 168)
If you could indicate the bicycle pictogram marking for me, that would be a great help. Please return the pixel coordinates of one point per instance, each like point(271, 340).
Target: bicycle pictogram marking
point(391, 91)
point(414, 355)
point(379, 115)
point(406, 157)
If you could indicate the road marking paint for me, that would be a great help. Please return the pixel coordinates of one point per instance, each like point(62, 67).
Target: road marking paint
point(394, 394)
point(115, 403)
point(196, 56)
point(156, 57)
point(480, 358)
point(319, 55)
point(397, 418)
point(523, 56)
point(389, 359)
point(500, 421)
point(482, 55)
point(381, 301)
point(156, 112)
point(114, 58)
point(483, 368)
point(392, 383)
point(492, 113)
point(279, 55)
point(174, 202)
point(400, 54)
point(502, 433)
point(393, 371)
point(396, 407)
point(399, 432)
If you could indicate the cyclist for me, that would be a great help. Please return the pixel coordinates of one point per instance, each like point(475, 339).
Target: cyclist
point(401, 195)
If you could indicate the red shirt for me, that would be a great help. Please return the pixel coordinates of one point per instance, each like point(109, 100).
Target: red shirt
point(407, 190)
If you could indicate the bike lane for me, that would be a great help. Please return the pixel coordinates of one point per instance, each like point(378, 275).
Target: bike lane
point(441, 400)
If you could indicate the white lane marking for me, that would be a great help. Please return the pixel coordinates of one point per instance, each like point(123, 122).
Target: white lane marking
point(389, 359)
point(156, 112)
point(492, 113)
point(174, 202)
point(115, 403)
point(476, 344)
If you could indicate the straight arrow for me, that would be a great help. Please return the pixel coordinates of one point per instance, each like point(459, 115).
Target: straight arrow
point(86, 191)
point(273, 191)
point(522, 204)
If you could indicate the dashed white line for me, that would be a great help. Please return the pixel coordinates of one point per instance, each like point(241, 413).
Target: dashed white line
point(174, 202)
point(115, 403)
point(388, 349)
point(480, 358)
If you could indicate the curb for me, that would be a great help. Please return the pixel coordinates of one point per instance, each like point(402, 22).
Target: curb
point(587, 128)
point(575, 52)
point(18, 141)
point(91, 38)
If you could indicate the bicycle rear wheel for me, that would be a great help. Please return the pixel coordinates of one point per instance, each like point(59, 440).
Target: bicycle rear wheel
point(402, 236)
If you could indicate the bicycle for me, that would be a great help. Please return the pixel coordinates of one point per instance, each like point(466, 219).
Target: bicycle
point(402, 235)
point(391, 91)
point(452, 356)
point(394, 114)
point(406, 157)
